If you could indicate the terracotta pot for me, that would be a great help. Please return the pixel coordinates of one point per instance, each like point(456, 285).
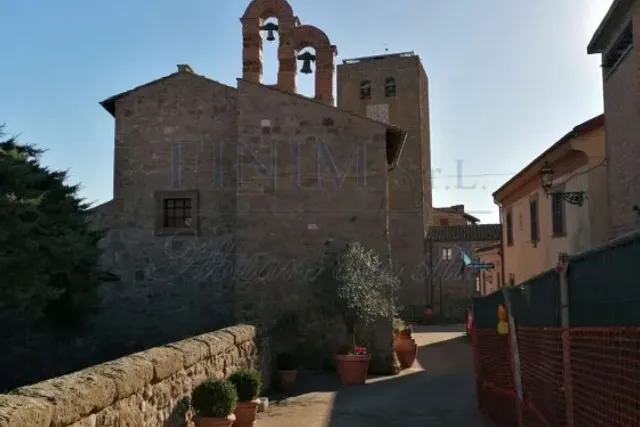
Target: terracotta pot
point(352, 369)
point(406, 350)
point(246, 413)
point(199, 421)
point(287, 379)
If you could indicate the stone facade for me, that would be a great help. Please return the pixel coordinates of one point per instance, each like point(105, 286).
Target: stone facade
point(269, 176)
point(151, 388)
point(453, 215)
point(451, 285)
point(394, 88)
point(621, 90)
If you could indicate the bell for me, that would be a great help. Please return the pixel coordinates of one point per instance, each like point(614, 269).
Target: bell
point(306, 57)
point(306, 67)
point(270, 27)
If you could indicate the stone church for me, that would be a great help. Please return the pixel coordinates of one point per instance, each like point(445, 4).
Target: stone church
point(276, 172)
point(223, 197)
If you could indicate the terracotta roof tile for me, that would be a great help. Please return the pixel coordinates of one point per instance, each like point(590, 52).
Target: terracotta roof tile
point(461, 233)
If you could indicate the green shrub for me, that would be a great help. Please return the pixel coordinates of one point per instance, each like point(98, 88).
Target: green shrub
point(248, 384)
point(214, 398)
point(287, 362)
point(364, 289)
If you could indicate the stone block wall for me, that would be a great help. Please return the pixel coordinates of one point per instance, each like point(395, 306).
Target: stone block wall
point(151, 388)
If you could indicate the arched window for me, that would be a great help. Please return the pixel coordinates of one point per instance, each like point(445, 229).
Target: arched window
point(365, 89)
point(390, 87)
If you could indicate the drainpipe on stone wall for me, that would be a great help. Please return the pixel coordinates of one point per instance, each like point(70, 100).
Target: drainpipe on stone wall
point(502, 251)
point(431, 274)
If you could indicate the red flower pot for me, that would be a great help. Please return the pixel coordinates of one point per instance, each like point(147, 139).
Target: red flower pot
point(246, 413)
point(352, 369)
point(406, 350)
point(287, 379)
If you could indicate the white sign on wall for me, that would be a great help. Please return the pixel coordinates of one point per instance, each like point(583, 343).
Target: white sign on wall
point(379, 112)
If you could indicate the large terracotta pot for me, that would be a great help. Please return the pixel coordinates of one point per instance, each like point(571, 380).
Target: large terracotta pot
point(246, 413)
point(213, 422)
point(352, 369)
point(406, 350)
point(287, 379)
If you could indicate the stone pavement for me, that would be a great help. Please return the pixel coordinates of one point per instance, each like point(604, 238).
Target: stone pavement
point(439, 390)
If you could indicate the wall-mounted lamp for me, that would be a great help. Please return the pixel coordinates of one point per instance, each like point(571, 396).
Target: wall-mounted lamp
point(546, 179)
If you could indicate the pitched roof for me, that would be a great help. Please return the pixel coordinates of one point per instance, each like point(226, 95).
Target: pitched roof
point(462, 233)
point(532, 169)
point(109, 104)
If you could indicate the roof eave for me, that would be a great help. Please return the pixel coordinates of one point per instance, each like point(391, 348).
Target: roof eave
point(597, 44)
point(109, 104)
point(558, 149)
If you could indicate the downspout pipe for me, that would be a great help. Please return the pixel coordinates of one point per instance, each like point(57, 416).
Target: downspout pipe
point(502, 249)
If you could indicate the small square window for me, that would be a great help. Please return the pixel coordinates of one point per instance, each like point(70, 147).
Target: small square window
point(176, 211)
point(365, 89)
point(447, 254)
point(390, 87)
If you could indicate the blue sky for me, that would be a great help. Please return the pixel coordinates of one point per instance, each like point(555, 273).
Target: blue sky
point(507, 78)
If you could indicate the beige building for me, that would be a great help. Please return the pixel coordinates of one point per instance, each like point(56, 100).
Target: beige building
point(569, 217)
point(490, 280)
point(616, 39)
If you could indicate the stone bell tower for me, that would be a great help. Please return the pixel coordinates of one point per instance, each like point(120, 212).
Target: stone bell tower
point(293, 39)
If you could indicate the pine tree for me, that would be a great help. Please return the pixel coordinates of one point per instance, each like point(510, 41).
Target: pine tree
point(49, 254)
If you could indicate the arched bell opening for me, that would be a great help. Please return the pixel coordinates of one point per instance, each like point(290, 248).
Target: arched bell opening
point(306, 75)
point(265, 23)
point(270, 45)
point(320, 63)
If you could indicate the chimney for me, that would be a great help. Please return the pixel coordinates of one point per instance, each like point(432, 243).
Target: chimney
point(458, 208)
point(185, 68)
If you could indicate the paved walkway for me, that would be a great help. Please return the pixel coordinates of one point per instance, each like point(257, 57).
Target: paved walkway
point(437, 391)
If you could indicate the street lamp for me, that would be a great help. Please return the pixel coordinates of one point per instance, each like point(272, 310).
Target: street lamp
point(546, 179)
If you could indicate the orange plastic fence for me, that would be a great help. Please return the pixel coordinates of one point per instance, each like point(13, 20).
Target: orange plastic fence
point(603, 365)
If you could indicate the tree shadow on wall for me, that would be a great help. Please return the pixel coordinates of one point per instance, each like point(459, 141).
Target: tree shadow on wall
point(180, 415)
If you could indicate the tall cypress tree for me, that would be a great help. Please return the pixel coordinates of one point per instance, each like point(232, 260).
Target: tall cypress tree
point(49, 253)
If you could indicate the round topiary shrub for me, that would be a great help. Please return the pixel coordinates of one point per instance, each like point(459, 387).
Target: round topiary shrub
point(214, 398)
point(248, 384)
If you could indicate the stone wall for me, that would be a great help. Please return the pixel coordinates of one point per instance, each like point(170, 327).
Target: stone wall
point(151, 388)
point(163, 278)
point(450, 287)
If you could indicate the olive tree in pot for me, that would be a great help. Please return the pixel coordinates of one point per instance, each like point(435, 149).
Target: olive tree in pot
point(364, 292)
point(214, 402)
point(248, 384)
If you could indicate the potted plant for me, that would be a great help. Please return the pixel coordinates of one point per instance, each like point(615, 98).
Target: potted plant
point(364, 292)
point(214, 402)
point(248, 384)
point(406, 348)
point(287, 365)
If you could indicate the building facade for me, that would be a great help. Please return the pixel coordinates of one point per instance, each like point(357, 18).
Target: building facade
point(490, 279)
point(394, 89)
point(453, 215)
point(616, 40)
point(452, 281)
point(272, 173)
point(537, 227)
